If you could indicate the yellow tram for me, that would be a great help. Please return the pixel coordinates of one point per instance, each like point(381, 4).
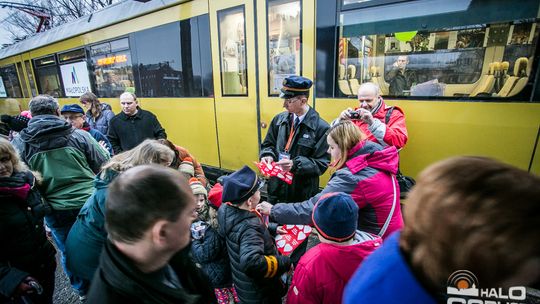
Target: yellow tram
point(211, 70)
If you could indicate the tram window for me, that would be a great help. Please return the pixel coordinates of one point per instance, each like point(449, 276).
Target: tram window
point(168, 61)
point(71, 55)
point(49, 80)
point(45, 61)
point(437, 48)
point(232, 45)
point(158, 65)
point(112, 69)
point(119, 45)
point(10, 82)
point(284, 42)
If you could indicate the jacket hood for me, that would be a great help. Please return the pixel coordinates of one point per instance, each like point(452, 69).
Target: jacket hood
point(369, 154)
point(105, 106)
point(229, 217)
point(340, 258)
point(47, 131)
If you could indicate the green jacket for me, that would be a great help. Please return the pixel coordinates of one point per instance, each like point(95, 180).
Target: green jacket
point(67, 158)
point(87, 235)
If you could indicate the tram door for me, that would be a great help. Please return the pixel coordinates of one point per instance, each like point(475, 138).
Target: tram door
point(235, 81)
point(285, 47)
point(259, 43)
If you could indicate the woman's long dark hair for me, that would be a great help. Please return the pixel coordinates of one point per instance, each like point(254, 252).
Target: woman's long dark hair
point(95, 105)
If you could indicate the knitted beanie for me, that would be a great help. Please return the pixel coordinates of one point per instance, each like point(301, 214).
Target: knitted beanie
point(187, 166)
point(16, 123)
point(197, 187)
point(26, 114)
point(335, 216)
point(214, 196)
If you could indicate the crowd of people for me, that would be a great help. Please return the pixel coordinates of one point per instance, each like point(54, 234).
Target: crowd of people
point(135, 220)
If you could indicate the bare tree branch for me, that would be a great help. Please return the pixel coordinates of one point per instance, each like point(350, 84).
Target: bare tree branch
point(21, 25)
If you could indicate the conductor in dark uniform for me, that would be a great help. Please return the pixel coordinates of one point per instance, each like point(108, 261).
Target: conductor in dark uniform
point(296, 141)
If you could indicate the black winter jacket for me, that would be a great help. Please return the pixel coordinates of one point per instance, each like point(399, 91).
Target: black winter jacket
point(308, 152)
point(25, 248)
point(126, 132)
point(399, 81)
point(210, 252)
point(255, 262)
point(118, 280)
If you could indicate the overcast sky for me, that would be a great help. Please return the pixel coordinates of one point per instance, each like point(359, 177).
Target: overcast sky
point(4, 36)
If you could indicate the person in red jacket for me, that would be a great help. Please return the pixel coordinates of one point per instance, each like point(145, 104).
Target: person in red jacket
point(323, 272)
point(371, 118)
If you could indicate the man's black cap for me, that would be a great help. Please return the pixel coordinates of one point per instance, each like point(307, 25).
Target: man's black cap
point(294, 86)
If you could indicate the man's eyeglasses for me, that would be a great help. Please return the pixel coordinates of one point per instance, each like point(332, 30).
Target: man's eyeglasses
point(72, 117)
point(292, 99)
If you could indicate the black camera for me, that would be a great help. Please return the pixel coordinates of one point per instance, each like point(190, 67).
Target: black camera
point(354, 114)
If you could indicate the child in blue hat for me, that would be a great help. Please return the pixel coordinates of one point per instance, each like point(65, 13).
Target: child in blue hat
point(255, 262)
point(323, 272)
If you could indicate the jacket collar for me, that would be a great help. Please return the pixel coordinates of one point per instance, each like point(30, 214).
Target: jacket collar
point(370, 154)
point(128, 280)
point(137, 115)
point(310, 121)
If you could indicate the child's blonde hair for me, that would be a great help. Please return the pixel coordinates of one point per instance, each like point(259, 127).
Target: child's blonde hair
point(149, 151)
point(346, 135)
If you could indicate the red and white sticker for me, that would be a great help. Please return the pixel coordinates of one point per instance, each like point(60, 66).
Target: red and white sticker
point(294, 236)
point(272, 169)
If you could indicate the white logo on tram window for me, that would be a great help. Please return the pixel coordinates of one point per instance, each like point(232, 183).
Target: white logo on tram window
point(76, 79)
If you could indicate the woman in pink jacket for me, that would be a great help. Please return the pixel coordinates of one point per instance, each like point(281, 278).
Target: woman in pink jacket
point(364, 170)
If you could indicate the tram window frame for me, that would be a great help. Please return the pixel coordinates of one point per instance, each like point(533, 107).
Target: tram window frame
point(367, 28)
point(107, 52)
point(12, 91)
point(81, 57)
point(205, 49)
point(22, 80)
point(48, 63)
point(31, 79)
point(297, 59)
point(364, 4)
point(221, 13)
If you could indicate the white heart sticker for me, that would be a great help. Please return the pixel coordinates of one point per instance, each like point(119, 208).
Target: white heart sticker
point(281, 243)
point(307, 229)
point(301, 236)
point(287, 248)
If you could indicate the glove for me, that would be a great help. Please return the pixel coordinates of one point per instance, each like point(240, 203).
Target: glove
point(284, 264)
point(198, 229)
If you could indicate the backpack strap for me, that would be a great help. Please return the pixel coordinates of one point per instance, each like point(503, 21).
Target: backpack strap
point(388, 114)
point(394, 201)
